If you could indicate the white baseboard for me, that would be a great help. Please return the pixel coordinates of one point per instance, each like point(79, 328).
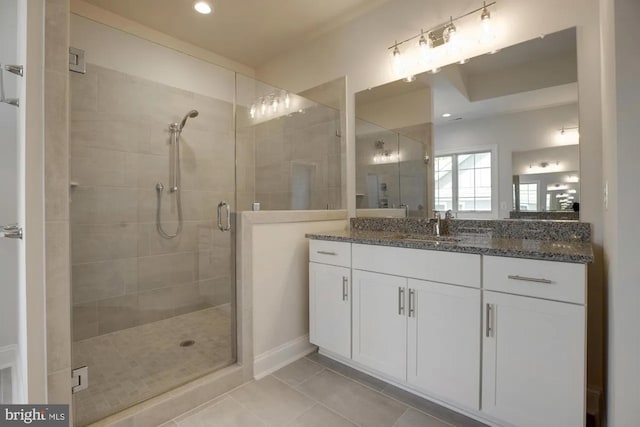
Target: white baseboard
point(279, 357)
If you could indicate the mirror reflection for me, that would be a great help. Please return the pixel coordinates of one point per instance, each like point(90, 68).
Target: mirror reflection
point(498, 137)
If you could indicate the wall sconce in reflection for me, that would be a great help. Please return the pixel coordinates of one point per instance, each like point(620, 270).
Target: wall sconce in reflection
point(384, 156)
point(569, 135)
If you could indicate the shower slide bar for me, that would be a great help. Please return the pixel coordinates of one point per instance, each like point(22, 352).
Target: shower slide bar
point(18, 70)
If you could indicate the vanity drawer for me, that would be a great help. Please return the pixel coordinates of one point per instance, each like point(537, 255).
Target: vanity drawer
point(552, 280)
point(435, 266)
point(327, 252)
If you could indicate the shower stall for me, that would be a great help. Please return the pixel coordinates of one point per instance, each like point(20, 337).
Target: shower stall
point(160, 164)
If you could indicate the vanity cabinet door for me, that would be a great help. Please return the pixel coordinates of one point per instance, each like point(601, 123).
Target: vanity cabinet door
point(444, 341)
point(380, 322)
point(330, 308)
point(533, 365)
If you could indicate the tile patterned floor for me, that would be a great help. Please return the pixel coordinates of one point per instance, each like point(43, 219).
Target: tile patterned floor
point(318, 392)
point(132, 365)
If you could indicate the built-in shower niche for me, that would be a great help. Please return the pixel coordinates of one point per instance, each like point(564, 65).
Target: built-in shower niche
point(136, 294)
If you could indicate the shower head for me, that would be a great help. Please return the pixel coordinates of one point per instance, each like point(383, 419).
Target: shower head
point(190, 115)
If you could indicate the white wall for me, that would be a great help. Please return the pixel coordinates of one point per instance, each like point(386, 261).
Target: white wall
point(511, 133)
point(120, 51)
point(279, 254)
point(621, 111)
point(9, 177)
point(359, 51)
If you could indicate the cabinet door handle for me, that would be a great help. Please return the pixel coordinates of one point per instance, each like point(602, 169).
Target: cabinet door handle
point(327, 253)
point(345, 288)
point(401, 301)
point(489, 321)
point(529, 279)
point(412, 303)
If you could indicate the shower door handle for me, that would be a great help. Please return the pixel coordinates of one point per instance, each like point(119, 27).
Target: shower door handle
point(227, 209)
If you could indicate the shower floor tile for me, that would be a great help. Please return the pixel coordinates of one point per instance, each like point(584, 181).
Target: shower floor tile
point(132, 365)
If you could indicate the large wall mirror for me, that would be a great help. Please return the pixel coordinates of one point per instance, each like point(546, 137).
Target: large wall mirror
point(495, 137)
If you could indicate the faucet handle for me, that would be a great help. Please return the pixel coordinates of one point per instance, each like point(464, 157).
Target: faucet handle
point(449, 214)
point(437, 214)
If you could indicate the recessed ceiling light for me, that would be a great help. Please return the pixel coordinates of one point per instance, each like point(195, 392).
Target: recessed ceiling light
point(203, 7)
point(445, 115)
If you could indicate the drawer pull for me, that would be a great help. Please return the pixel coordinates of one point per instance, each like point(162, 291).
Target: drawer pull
point(529, 279)
point(327, 253)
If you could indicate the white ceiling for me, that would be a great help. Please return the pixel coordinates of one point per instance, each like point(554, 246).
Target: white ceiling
point(247, 31)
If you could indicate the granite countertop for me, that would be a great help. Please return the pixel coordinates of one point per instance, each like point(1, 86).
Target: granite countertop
point(549, 250)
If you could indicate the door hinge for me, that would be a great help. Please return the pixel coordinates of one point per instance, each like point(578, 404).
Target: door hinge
point(77, 61)
point(79, 379)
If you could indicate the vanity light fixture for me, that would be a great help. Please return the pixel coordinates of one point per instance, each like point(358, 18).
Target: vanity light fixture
point(447, 34)
point(203, 7)
point(573, 179)
point(445, 115)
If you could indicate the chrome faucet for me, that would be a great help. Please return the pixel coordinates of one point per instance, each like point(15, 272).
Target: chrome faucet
point(436, 226)
point(448, 214)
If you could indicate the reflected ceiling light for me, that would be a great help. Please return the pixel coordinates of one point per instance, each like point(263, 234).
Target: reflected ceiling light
point(445, 115)
point(573, 179)
point(410, 78)
point(572, 191)
point(203, 7)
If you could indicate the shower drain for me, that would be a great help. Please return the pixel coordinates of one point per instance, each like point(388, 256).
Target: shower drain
point(187, 343)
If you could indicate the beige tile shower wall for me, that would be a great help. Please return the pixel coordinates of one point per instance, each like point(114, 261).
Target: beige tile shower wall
point(124, 273)
point(308, 140)
point(57, 201)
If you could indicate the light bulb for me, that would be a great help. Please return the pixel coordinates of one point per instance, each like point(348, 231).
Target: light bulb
point(275, 104)
point(452, 38)
point(488, 35)
point(426, 48)
point(287, 101)
point(410, 78)
point(263, 107)
point(398, 62)
point(252, 111)
point(203, 7)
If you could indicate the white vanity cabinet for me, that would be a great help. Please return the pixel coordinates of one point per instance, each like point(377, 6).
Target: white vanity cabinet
point(380, 322)
point(533, 364)
point(444, 343)
point(500, 339)
point(330, 296)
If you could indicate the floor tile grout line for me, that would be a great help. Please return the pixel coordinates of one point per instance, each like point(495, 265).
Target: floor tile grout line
point(381, 392)
point(246, 408)
point(405, 411)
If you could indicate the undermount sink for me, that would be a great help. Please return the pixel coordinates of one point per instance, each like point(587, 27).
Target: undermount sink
point(430, 239)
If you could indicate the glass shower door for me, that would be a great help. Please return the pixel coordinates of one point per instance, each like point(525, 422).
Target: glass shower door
point(11, 390)
point(153, 270)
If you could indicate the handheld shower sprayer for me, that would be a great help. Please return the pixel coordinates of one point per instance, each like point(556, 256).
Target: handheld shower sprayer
point(174, 175)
